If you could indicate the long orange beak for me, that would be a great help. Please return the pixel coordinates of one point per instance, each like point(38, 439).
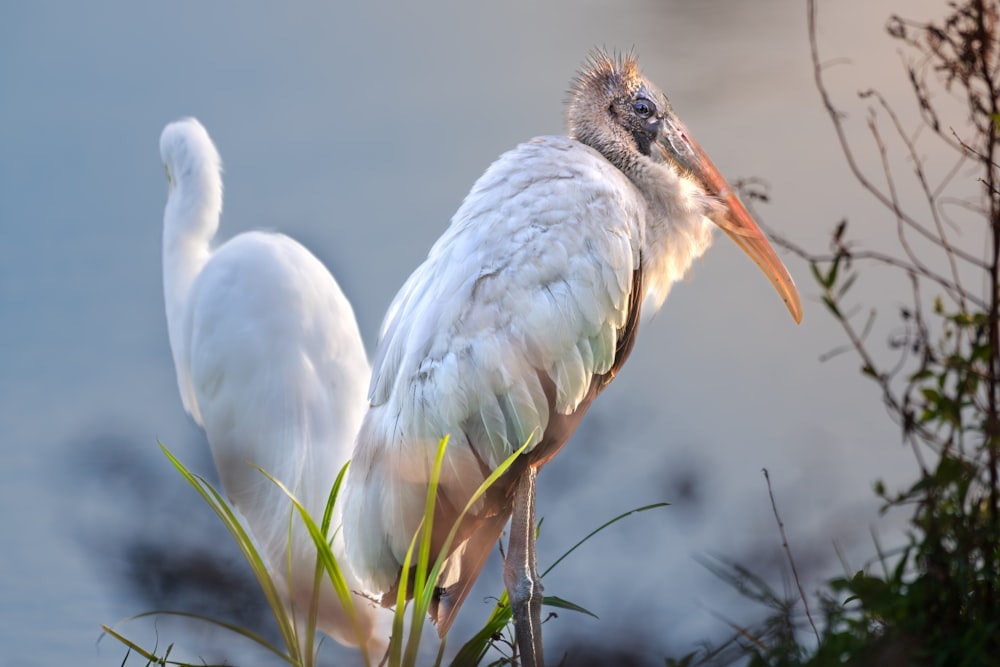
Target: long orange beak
point(737, 223)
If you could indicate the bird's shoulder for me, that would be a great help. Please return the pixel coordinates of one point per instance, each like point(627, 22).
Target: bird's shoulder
point(265, 296)
point(548, 169)
point(502, 331)
point(269, 272)
point(532, 276)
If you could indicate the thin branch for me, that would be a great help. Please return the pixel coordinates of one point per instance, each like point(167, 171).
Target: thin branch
point(901, 220)
point(848, 347)
point(837, 116)
point(950, 175)
point(788, 552)
point(982, 157)
point(940, 238)
point(865, 255)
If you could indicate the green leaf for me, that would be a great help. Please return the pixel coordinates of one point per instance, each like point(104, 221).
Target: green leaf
point(424, 580)
point(832, 306)
point(831, 276)
point(846, 285)
point(559, 603)
point(818, 275)
point(474, 650)
point(253, 557)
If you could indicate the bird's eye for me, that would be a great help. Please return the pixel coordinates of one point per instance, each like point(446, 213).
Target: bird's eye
point(644, 108)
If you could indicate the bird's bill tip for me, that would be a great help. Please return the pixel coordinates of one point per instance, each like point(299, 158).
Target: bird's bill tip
point(752, 241)
point(736, 221)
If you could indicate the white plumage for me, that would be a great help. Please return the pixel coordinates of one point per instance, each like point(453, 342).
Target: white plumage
point(522, 313)
point(269, 362)
point(532, 280)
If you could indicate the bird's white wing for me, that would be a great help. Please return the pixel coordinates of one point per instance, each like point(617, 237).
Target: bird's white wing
point(277, 364)
point(270, 363)
point(519, 305)
point(279, 370)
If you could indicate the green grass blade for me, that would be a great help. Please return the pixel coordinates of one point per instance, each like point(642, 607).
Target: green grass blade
point(236, 629)
point(446, 547)
point(309, 636)
point(331, 501)
point(246, 545)
point(423, 585)
point(487, 483)
point(559, 603)
point(152, 657)
point(329, 561)
point(398, 617)
point(313, 616)
point(423, 582)
point(599, 529)
point(474, 650)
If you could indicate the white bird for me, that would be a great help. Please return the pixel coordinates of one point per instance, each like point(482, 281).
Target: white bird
point(523, 312)
point(269, 363)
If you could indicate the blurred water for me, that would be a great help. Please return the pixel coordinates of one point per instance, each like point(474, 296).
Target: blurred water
point(357, 128)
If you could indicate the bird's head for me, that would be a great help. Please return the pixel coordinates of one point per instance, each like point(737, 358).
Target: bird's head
point(618, 112)
point(613, 108)
point(188, 153)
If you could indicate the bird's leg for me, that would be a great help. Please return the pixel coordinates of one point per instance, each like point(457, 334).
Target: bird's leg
point(520, 574)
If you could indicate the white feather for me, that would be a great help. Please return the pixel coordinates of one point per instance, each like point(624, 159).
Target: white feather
point(269, 362)
point(532, 277)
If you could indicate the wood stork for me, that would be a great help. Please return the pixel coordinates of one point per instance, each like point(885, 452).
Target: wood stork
point(523, 312)
point(269, 362)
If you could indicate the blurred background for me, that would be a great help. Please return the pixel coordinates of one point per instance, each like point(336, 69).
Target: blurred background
point(357, 128)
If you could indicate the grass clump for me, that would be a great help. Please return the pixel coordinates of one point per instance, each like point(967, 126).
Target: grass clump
point(298, 647)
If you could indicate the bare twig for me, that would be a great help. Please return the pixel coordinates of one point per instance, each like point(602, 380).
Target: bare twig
point(938, 237)
point(902, 221)
point(788, 552)
point(947, 284)
point(837, 118)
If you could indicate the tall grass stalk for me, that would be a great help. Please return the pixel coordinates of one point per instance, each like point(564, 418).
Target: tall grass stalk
point(404, 643)
point(423, 585)
point(326, 561)
point(285, 621)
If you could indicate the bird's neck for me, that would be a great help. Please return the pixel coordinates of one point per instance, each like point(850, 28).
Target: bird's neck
point(190, 222)
point(677, 230)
